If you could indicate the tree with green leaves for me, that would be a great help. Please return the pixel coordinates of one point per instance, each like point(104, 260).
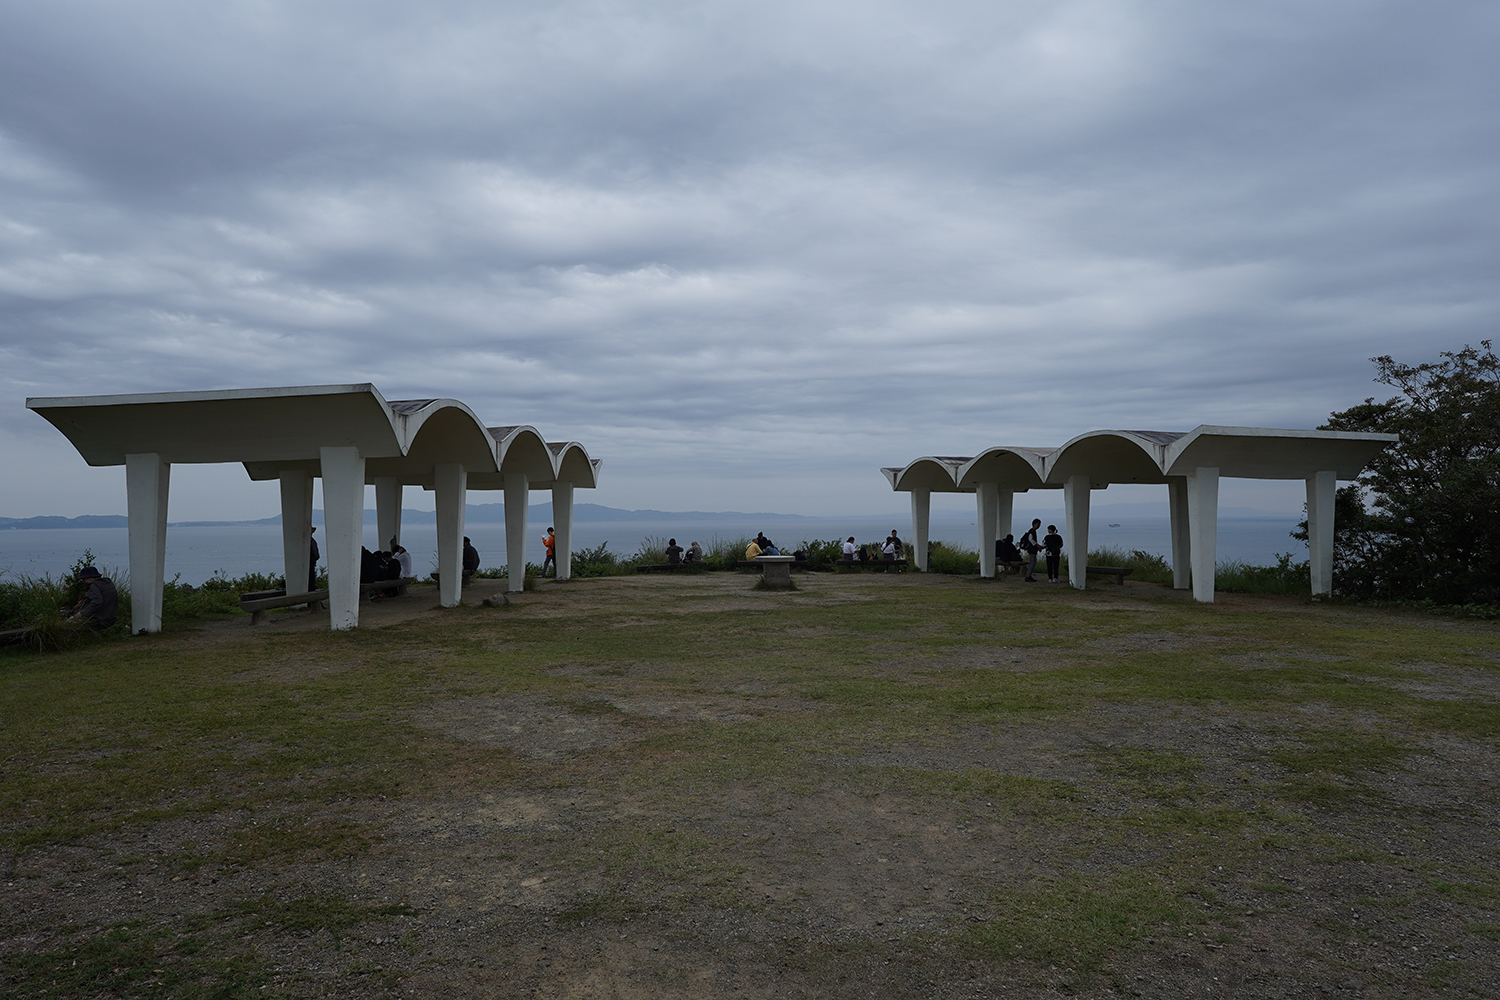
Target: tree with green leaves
point(1423, 521)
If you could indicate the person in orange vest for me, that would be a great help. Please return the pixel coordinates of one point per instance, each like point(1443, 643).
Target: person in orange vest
point(549, 542)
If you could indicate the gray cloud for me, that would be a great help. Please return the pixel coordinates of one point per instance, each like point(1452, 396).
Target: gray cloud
point(745, 253)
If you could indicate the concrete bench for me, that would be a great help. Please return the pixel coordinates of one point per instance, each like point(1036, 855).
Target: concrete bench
point(1118, 572)
point(257, 603)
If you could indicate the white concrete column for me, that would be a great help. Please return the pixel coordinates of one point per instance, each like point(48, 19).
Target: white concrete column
point(296, 528)
point(1203, 526)
point(562, 520)
point(1076, 541)
point(1182, 539)
point(921, 525)
point(1320, 493)
point(344, 524)
point(1005, 515)
point(517, 496)
point(387, 511)
point(451, 485)
point(147, 479)
point(987, 509)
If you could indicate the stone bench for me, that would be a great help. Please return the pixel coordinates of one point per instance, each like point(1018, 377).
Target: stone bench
point(257, 603)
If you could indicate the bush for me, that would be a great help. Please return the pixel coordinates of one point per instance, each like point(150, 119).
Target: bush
point(724, 553)
point(651, 552)
point(1286, 577)
point(598, 561)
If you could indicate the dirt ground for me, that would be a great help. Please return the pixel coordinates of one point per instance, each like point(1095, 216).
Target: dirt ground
point(563, 871)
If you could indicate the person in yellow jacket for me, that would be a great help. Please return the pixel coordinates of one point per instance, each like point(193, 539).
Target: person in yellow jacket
point(752, 550)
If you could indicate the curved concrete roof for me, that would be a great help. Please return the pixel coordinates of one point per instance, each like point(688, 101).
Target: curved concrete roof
point(275, 429)
point(1237, 452)
point(1018, 468)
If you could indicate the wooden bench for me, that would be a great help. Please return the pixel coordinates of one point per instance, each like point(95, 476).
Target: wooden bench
point(897, 565)
point(1118, 572)
point(14, 636)
point(260, 601)
point(671, 567)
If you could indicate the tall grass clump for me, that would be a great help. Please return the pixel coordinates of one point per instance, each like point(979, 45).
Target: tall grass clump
point(1146, 566)
point(597, 561)
point(651, 552)
point(1286, 577)
point(724, 553)
point(945, 558)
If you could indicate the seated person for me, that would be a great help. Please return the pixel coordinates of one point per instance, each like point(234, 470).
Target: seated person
point(752, 550)
point(101, 602)
point(767, 547)
point(471, 559)
point(850, 552)
point(694, 553)
point(1006, 551)
point(674, 552)
point(403, 560)
point(368, 565)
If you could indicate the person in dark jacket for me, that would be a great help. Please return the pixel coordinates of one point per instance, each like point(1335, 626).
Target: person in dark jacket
point(312, 561)
point(1053, 543)
point(1006, 551)
point(101, 602)
point(471, 559)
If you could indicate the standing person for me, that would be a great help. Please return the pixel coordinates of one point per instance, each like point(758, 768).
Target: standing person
point(1031, 547)
point(101, 602)
point(549, 542)
point(674, 552)
point(889, 549)
point(471, 559)
point(1053, 543)
point(312, 561)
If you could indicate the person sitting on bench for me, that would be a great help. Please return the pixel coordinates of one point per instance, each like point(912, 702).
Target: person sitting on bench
point(674, 552)
point(851, 553)
point(471, 559)
point(767, 547)
point(101, 602)
point(1006, 551)
point(694, 554)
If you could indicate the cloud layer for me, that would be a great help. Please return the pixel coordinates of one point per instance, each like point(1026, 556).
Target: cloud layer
point(746, 253)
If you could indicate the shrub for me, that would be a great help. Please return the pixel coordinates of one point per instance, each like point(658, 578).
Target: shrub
point(651, 552)
point(598, 561)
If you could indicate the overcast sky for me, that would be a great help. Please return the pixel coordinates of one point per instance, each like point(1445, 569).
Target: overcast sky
point(746, 253)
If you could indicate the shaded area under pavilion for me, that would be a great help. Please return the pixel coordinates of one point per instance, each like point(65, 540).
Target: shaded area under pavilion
point(349, 436)
point(1189, 464)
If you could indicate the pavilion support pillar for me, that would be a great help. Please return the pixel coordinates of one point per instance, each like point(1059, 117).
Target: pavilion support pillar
point(921, 526)
point(562, 523)
point(296, 529)
point(147, 479)
point(987, 504)
point(1076, 514)
point(1005, 515)
point(1203, 526)
point(387, 512)
point(1320, 494)
point(344, 521)
point(517, 496)
point(451, 485)
point(1182, 538)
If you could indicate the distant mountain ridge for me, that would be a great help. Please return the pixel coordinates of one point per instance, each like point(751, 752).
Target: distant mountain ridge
point(493, 513)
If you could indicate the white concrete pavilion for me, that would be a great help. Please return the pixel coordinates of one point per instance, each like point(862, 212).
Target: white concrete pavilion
point(994, 477)
point(349, 436)
point(1188, 464)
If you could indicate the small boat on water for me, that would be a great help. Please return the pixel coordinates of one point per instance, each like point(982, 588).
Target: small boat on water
point(1114, 524)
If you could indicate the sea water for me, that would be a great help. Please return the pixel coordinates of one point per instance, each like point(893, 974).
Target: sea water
point(195, 553)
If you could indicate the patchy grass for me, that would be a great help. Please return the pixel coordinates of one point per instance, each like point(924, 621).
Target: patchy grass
point(902, 781)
